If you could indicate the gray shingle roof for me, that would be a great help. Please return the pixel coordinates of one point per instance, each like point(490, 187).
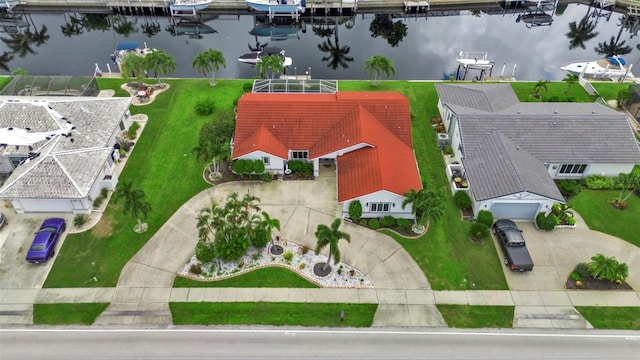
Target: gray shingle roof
point(477, 98)
point(499, 167)
point(64, 169)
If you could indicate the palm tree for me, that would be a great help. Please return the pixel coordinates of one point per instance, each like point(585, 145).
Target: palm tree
point(425, 205)
point(270, 223)
point(540, 85)
point(602, 267)
point(208, 63)
point(376, 65)
point(134, 64)
point(613, 48)
point(275, 63)
point(330, 236)
point(627, 182)
point(581, 32)
point(161, 63)
point(134, 202)
point(571, 80)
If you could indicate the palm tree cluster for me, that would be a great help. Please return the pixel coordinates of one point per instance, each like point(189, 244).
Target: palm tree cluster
point(208, 63)
point(377, 65)
point(227, 231)
point(156, 61)
point(425, 204)
point(275, 63)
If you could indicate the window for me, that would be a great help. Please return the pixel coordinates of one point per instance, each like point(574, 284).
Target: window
point(265, 160)
point(121, 125)
point(380, 207)
point(572, 169)
point(299, 154)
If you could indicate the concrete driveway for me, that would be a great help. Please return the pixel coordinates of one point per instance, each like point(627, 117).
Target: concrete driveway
point(15, 239)
point(555, 254)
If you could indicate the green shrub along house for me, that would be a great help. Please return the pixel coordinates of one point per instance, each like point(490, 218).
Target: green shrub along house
point(508, 153)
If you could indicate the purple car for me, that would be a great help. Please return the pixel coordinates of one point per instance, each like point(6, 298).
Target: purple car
point(44, 243)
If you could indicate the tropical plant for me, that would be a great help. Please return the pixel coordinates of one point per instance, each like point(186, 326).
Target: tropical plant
point(485, 217)
point(546, 222)
point(134, 64)
point(424, 204)
point(462, 200)
point(355, 210)
point(571, 80)
point(627, 182)
point(270, 223)
point(537, 89)
point(330, 236)
point(479, 231)
point(562, 213)
point(160, 63)
point(275, 63)
point(377, 65)
point(205, 251)
point(135, 202)
point(208, 63)
point(603, 267)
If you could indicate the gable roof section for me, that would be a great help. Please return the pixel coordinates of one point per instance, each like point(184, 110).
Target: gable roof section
point(499, 167)
point(302, 121)
point(477, 98)
point(262, 139)
point(389, 165)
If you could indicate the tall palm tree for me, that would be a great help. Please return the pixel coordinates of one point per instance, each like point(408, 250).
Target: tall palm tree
point(275, 63)
point(134, 202)
point(581, 32)
point(269, 223)
point(425, 205)
point(377, 65)
point(208, 63)
point(537, 89)
point(134, 64)
point(330, 236)
point(161, 63)
point(571, 80)
point(338, 56)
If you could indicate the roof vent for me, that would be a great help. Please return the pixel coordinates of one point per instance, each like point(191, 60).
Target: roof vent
point(553, 123)
point(593, 112)
point(517, 147)
point(555, 112)
point(518, 112)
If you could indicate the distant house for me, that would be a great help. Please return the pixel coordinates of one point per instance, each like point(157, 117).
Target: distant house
point(510, 152)
point(366, 136)
point(59, 152)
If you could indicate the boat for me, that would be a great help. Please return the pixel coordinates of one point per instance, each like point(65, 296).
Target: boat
point(253, 57)
point(610, 67)
point(187, 7)
point(277, 6)
point(125, 48)
point(535, 18)
point(276, 32)
point(475, 60)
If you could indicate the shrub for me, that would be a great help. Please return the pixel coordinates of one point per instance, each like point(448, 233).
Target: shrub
point(302, 266)
point(267, 176)
point(133, 130)
point(80, 220)
point(569, 187)
point(247, 87)
point(374, 224)
point(242, 166)
point(462, 200)
point(546, 223)
point(575, 276)
point(448, 150)
point(205, 107)
point(258, 166)
point(260, 238)
point(98, 201)
point(355, 210)
point(305, 249)
point(388, 221)
point(205, 251)
point(582, 269)
point(599, 182)
point(478, 231)
point(104, 192)
point(195, 269)
point(404, 224)
point(485, 217)
point(288, 256)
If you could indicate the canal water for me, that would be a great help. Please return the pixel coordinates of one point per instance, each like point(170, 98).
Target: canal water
point(426, 51)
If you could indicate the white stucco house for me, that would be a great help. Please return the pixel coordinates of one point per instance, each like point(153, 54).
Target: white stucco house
point(511, 152)
point(364, 136)
point(59, 152)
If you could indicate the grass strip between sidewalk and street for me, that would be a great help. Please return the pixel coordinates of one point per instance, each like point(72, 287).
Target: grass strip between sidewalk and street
point(270, 277)
point(276, 314)
point(67, 314)
point(466, 316)
point(612, 317)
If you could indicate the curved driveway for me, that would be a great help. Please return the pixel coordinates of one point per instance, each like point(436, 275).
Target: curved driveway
point(300, 206)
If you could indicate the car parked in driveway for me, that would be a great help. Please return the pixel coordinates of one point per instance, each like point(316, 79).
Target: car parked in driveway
point(516, 255)
point(44, 242)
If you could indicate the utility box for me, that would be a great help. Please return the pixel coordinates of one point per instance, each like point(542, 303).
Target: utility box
point(443, 140)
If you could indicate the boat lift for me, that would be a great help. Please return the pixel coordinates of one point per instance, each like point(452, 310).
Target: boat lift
point(474, 60)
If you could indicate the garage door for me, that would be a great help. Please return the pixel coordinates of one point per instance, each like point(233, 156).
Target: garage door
point(514, 210)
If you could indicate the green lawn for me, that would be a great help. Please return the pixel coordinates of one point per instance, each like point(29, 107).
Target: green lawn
point(556, 91)
point(604, 317)
point(67, 314)
point(4, 80)
point(609, 90)
point(271, 277)
point(277, 314)
point(163, 166)
point(593, 206)
point(465, 316)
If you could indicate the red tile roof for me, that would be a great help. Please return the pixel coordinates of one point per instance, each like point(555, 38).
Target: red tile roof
point(327, 123)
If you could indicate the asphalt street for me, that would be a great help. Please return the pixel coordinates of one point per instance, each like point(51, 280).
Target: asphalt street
point(297, 343)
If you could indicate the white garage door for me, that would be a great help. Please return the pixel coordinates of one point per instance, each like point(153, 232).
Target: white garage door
point(515, 210)
point(41, 205)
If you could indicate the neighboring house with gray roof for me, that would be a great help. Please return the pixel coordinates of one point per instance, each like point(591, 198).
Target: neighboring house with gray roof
point(59, 151)
point(510, 152)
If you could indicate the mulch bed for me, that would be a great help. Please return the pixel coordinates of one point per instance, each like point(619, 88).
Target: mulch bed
point(595, 284)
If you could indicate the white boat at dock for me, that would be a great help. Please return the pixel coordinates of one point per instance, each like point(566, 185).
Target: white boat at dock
point(187, 7)
point(253, 57)
point(611, 67)
point(125, 48)
point(475, 60)
point(278, 6)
